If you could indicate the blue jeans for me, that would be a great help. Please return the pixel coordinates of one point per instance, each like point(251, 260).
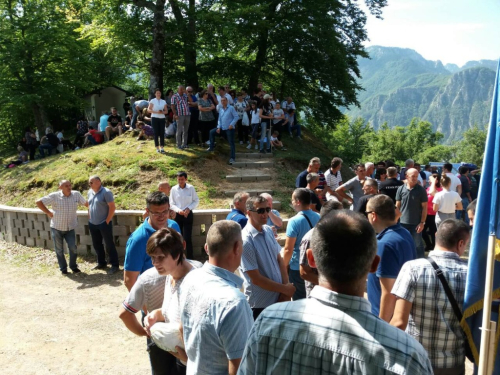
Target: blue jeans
point(91, 140)
point(295, 127)
point(42, 149)
point(69, 236)
point(229, 135)
point(264, 127)
point(465, 204)
point(417, 238)
point(298, 282)
point(104, 232)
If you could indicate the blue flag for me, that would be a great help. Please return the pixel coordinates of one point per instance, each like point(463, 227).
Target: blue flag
point(486, 223)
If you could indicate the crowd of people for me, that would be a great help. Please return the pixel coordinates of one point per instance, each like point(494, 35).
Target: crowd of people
point(256, 308)
point(192, 118)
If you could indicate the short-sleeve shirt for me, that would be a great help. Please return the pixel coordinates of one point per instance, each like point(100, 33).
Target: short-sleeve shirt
point(240, 108)
point(147, 291)
point(114, 120)
point(205, 116)
point(314, 199)
point(136, 258)
point(277, 113)
point(301, 181)
point(455, 181)
point(238, 216)
point(158, 105)
point(446, 200)
point(260, 252)
point(356, 189)
point(148, 130)
point(216, 319)
point(333, 180)
point(194, 110)
point(297, 227)
point(390, 187)
point(181, 104)
point(465, 185)
point(96, 135)
point(363, 202)
point(98, 205)
point(395, 247)
point(270, 222)
point(304, 245)
point(411, 203)
point(64, 207)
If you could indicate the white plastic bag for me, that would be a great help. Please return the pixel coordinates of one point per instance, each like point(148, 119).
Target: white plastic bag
point(167, 336)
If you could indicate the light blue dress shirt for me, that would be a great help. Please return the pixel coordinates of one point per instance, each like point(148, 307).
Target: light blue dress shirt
point(216, 319)
point(227, 117)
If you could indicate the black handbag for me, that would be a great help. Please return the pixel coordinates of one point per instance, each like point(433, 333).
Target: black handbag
point(454, 304)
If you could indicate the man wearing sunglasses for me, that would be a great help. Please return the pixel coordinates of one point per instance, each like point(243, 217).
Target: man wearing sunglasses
point(266, 279)
point(136, 259)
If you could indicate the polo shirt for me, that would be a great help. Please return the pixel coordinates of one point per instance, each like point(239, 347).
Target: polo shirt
point(465, 185)
point(333, 180)
point(301, 181)
point(363, 202)
point(270, 222)
point(147, 291)
point(329, 333)
point(356, 189)
point(136, 258)
point(238, 216)
point(98, 205)
point(297, 227)
point(395, 247)
point(260, 252)
point(411, 203)
point(455, 181)
point(64, 208)
point(390, 187)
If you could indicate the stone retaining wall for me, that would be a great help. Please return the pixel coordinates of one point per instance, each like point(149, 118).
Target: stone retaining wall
point(31, 227)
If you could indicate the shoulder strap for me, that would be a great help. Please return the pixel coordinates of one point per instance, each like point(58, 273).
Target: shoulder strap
point(446, 288)
point(309, 221)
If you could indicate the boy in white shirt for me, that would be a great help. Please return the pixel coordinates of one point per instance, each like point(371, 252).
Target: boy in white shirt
point(276, 142)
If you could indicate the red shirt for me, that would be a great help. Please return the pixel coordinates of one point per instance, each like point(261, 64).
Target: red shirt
point(96, 135)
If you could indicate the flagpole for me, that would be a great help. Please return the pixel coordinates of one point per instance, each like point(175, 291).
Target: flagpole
point(486, 329)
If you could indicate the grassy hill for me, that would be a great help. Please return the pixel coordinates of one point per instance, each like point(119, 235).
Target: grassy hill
point(132, 169)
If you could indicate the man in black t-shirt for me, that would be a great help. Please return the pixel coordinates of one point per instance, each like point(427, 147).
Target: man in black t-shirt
point(312, 183)
point(390, 186)
point(370, 188)
point(114, 123)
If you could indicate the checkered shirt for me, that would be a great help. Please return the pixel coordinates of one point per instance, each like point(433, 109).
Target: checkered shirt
point(329, 333)
point(64, 208)
point(432, 320)
point(181, 104)
point(333, 181)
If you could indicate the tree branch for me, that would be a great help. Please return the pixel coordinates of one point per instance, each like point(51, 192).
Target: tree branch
point(144, 4)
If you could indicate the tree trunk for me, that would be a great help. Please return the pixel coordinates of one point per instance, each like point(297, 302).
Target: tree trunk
point(158, 53)
point(190, 47)
point(260, 59)
point(41, 120)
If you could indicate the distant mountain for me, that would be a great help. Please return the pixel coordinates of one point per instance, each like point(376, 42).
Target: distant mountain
point(400, 84)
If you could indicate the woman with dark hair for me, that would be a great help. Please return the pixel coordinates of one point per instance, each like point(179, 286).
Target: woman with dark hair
point(266, 115)
point(166, 249)
point(82, 128)
point(206, 116)
point(158, 109)
point(430, 229)
point(31, 142)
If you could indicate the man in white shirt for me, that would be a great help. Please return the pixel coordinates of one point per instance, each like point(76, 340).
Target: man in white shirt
point(456, 184)
point(183, 200)
point(222, 94)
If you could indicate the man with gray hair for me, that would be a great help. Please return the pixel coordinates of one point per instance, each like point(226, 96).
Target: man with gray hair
point(238, 212)
point(101, 211)
point(262, 267)
point(215, 315)
point(274, 220)
point(180, 107)
point(333, 331)
point(63, 222)
point(408, 164)
point(369, 167)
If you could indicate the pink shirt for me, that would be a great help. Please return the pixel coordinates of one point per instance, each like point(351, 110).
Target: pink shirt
point(430, 210)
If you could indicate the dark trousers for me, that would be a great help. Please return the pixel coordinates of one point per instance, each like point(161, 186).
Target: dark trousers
point(79, 139)
point(429, 232)
point(278, 127)
point(158, 125)
point(186, 225)
point(205, 127)
point(417, 238)
point(32, 149)
point(298, 282)
point(193, 136)
point(243, 131)
point(104, 232)
point(256, 312)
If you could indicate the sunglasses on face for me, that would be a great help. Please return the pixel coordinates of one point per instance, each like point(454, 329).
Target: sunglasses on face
point(260, 211)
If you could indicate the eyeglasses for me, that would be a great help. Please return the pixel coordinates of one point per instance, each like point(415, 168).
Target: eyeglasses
point(370, 212)
point(261, 210)
point(163, 213)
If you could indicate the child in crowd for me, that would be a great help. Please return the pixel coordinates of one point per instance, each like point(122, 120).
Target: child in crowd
point(278, 119)
point(145, 131)
point(275, 140)
point(21, 159)
point(255, 124)
point(241, 108)
point(128, 120)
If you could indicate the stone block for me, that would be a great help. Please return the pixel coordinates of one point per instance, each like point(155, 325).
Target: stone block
point(121, 251)
point(18, 223)
point(84, 240)
point(205, 218)
point(22, 216)
point(44, 234)
point(24, 232)
point(131, 221)
point(20, 240)
point(233, 178)
point(39, 225)
point(121, 230)
point(30, 241)
point(80, 229)
point(219, 217)
point(121, 240)
point(40, 242)
point(32, 217)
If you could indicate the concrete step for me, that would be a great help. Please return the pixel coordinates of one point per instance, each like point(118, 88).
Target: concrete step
point(252, 192)
point(253, 163)
point(248, 177)
point(252, 155)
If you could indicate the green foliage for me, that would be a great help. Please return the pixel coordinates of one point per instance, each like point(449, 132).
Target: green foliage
point(471, 148)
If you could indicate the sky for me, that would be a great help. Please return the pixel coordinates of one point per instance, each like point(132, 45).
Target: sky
point(451, 31)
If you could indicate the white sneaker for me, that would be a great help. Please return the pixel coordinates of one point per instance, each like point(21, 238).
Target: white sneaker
point(208, 143)
point(249, 147)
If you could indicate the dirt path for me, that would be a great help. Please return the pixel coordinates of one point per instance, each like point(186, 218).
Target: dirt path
point(51, 324)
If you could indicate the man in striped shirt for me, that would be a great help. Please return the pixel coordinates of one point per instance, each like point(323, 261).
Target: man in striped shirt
point(180, 108)
point(261, 263)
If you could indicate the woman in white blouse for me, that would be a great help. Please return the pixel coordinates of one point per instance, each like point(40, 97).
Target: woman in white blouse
point(158, 109)
point(166, 249)
point(446, 202)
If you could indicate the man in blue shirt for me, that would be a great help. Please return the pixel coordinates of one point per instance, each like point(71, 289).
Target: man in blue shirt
point(395, 247)
point(215, 315)
point(333, 331)
point(228, 117)
point(103, 121)
point(136, 259)
point(297, 227)
point(238, 212)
